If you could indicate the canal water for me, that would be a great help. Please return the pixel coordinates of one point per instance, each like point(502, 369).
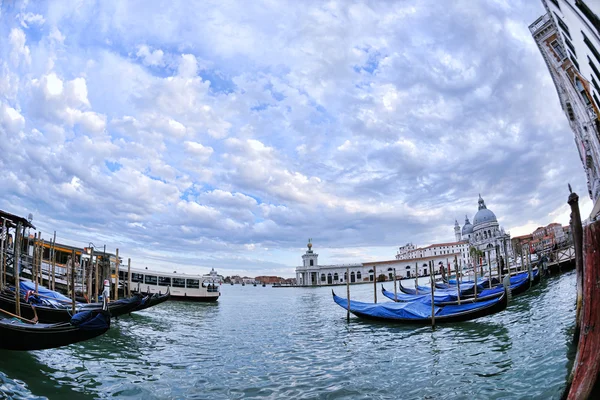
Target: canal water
point(264, 342)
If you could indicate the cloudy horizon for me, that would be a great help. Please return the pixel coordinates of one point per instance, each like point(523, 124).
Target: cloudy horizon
point(225, 134)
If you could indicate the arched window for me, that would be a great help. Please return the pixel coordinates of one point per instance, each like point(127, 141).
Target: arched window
point(358, 275)
point(581, 90)
point(335, 277)
point(484, 235)
point(311, 263)
point(345, 275)
point(323, 278)
point(390, 269)
point(489, 234)
point(329, 279)
point(391, 276)
point(371, 275)
point(352, 277)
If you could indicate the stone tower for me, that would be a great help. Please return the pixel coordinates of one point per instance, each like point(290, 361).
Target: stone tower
point(310, 259)
point(457, 231)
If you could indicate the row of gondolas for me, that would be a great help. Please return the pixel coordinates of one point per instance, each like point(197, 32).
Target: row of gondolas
point(47, 319)
point(452, 301)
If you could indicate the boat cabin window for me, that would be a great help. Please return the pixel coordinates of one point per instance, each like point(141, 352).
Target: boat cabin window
point(192, 283)
point(178, 282)
point(137, 277)
point(150, 280)
point(122, 275)
point(164, 281)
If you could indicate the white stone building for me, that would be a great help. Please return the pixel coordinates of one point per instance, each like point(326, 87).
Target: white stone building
point(568, 37)
point(484, 234)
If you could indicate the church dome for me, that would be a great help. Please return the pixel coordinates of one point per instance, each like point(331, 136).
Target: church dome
point(468, 228)
point(483, 215)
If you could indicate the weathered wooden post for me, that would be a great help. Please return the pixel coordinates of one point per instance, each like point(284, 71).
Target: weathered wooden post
point(54, 262)
point(457, 281)
point(432, 295)
point(375, 283)
point(475, 279)
point(16, 272)
point(348, 294)
point(529, 271)
point(90, 273)
point(73, 257)
point(117, 276)
point(129, 277)
point(395, 290)
point(3, 236)
point(96, 280)
point(417, 277)
point(577, 233)
point(498, 266)
point(489, 268)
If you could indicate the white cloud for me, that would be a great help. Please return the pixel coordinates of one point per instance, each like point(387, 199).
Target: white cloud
point(198, 151)
point(153, 58)
point(20, 52)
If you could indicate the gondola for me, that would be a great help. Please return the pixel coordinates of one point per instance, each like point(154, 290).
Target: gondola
point(420, 313)
point(152, 300)
point(16, 334)
point(465, 290)
point(442, 299)
point(50, 311)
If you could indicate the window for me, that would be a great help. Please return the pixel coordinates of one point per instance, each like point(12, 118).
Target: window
point(570, 46)
point(558, 50)
point(179, 282)
point(391, 276)
point(591, 47)
point(322, 277)
point(164, 281)
point(562, 25)
point(192, 283)
point(137, 277)
point(574, 61)
point(555, 2)
point(594, 68)
point(311, 263)
point(585, 10)
point(581, 90)
point(358, 275)
point(150, 280)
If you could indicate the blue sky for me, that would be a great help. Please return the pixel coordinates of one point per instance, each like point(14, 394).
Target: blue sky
point(224, 134)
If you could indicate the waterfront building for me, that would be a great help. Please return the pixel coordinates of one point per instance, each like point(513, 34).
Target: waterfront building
point(484, 234)
point(311, 273)
point(568, 37)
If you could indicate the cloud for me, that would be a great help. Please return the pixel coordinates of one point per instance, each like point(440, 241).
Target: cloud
point(240, 129)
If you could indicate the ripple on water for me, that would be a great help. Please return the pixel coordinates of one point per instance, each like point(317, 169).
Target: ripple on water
point(296, 343)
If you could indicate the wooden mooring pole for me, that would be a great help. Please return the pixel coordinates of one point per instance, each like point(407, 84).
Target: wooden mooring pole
point(416, 278)
point(54, 261)
point(577, 232)
point(3, 236)
point(348, 294)
point(16, 272)
point(129, 277)
point(431, 265)
point(457, 281)
point(395, 290)
point(73, 272)
point(89, 275)
point(375, 283)
point(96, 280)
point(117, 276)
point(490, 269)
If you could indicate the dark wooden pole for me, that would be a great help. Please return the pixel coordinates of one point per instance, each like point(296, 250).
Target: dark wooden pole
point(73, 255)
point(417, 277)
point(129, 277)
point(395, 290)
point(16, 272)
point(489, 268)
point(89, 275)
point(96, 280)
point(375, 283)
point(432, 295)
point(457, 281)
point(577, 232)
point(54, 262)
point(3, 236)
point(117, 276)
point(348, 294)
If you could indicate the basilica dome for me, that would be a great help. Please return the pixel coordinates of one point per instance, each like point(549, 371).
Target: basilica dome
point(483, 215)
point(468, 228)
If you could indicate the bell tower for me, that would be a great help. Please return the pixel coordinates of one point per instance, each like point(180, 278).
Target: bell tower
point(457, 231)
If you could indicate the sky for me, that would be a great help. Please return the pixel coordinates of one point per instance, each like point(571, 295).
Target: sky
point(224, 134)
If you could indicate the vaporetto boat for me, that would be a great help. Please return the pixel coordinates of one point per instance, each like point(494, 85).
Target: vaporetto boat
point(205, 288)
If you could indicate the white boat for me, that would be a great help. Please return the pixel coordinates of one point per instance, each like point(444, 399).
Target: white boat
point(185, 287)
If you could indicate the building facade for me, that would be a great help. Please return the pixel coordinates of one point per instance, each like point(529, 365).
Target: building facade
point(568, 37)
point(484, 234)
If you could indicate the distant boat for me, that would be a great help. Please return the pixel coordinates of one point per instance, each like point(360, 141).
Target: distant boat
point(263, 285)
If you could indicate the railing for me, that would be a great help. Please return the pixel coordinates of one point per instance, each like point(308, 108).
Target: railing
point(539, 23)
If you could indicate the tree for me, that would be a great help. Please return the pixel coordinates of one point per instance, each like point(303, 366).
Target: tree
point(381, 278)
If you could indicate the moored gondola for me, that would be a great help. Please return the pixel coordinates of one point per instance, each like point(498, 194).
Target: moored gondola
point(50, 311)
point(420, 313)
point(440, 299)
point(18, 334)
point(152, 300)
